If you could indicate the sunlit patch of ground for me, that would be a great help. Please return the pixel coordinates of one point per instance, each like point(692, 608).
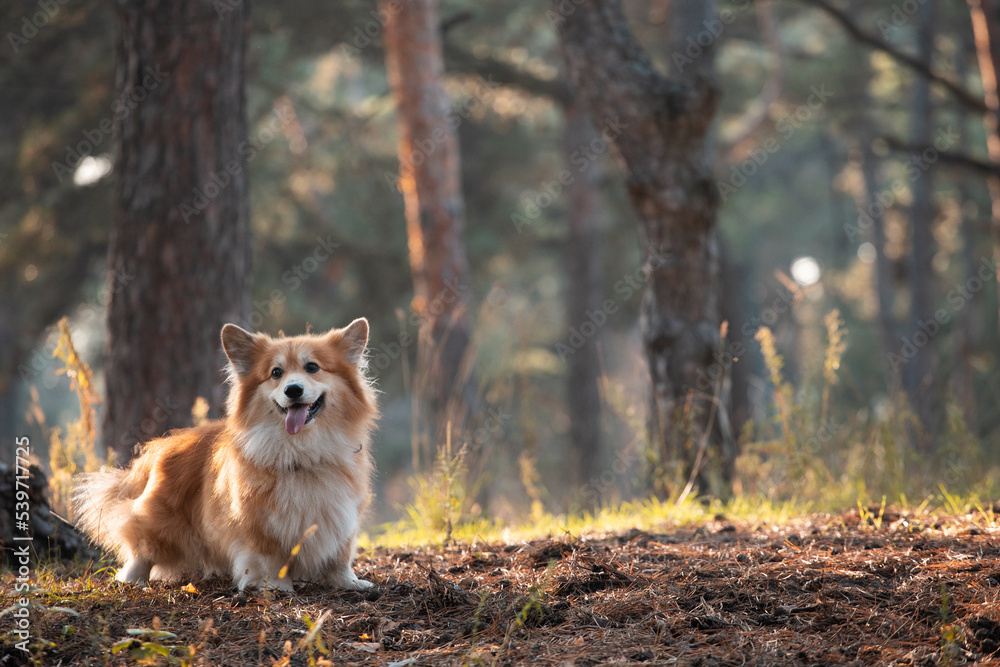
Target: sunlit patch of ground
point(858, 588)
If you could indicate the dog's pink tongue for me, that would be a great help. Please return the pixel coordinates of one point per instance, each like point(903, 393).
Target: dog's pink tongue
point(296, 418)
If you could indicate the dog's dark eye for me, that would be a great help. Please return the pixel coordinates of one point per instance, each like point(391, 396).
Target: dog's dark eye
point(276, 373)
point(312, 367)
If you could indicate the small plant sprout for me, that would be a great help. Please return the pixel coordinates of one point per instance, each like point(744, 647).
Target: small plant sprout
point(312, 641)
point(952, 636)
point(296, 549)
point(444, 499)
point(145, 645)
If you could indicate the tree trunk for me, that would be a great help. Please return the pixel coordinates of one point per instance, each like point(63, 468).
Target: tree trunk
point(871, 217)
point(736, 277)
point(430, 181)
point(965, 389)
point(883, 265)
point(917, 379)
point(179, 253)
point(965, 375)
point(583, 273)
point(659, 127)
point(51, 537)
point(985, 16)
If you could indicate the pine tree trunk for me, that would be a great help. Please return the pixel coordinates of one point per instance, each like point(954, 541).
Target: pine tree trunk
point(883, 265)
point(917, 380)
point(179, 253)
point(430, 181)
point(965, 377)
point(986, 29)
point(583, 299)
point(660, 126)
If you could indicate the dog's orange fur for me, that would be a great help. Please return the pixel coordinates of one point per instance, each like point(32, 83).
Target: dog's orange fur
point(235, 496)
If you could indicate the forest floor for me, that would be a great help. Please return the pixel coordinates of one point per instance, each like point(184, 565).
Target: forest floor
point(858, 588)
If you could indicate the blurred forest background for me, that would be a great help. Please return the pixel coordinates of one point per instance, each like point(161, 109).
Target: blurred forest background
point(854, 163)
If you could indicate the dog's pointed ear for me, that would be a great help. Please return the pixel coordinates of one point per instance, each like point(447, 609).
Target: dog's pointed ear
point(240, 347)
point(353, 339)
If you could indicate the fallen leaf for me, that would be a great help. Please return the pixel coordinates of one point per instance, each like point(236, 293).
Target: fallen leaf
point(368, 647)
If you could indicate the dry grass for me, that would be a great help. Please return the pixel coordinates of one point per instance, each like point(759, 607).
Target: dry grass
point(72, 450)
point(755, 581)
point(873, 586)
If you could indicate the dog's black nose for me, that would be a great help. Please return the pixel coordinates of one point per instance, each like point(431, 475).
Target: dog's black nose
point(293, 391)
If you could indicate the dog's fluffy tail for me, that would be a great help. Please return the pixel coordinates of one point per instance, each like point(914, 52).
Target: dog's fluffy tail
point(101, 507)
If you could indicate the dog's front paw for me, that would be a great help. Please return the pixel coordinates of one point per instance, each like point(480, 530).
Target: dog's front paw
point(280, 585)
point(251, 570)
point(348, 581)
point(134, 572)
point(248, 581)
point(359, 585)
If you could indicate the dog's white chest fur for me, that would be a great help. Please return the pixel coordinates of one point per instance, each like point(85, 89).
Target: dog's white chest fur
point(304, 499)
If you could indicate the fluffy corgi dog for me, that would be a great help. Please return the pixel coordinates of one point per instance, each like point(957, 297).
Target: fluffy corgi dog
point(236, 496)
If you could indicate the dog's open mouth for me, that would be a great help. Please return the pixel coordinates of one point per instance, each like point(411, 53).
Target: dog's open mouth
point(298, 415)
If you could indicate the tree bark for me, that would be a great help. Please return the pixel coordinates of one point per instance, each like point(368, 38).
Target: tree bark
point(179, 252)
point(985, 15)
point(429, 179)
point(965, 372)
point(965, 376)
point(872, 215)
point(660, 127)
point(883, 265)
point(917, 379)
point(584, 274)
